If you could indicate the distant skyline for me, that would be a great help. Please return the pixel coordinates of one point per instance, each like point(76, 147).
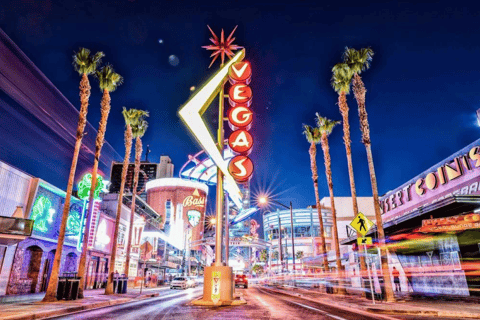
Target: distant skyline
point(421, 89)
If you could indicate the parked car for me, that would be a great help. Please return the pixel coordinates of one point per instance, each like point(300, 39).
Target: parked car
point(241, 280)
point(179, 282)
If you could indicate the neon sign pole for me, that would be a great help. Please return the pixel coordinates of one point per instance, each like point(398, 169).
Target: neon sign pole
point(219, 275)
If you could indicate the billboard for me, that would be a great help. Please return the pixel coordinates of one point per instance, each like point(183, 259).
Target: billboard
point(47, 212)
point(456, 175)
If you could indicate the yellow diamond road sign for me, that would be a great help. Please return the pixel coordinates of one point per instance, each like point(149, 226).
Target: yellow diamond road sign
point(361, 223)
point(364, 240)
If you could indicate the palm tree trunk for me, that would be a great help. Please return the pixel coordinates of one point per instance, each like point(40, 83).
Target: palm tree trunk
point(126, 163)
point(313, 165)
point(343, 106)
point(359, 91)
point(138, 154)
point(51, 294)
point(105, 110)
point(328, 173)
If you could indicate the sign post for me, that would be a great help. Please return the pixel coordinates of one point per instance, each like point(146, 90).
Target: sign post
point(240, 168)
point(362, 225)
point(369, 274)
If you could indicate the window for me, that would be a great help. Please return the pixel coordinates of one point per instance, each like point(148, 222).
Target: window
point(122, 230)
point(3, 250)
point(168, 209)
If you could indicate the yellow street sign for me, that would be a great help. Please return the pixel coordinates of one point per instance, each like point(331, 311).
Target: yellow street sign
point(361, 223)
point(364, 240)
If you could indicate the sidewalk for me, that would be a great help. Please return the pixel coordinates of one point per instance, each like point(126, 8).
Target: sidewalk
point(93, 299)
point(426, 307)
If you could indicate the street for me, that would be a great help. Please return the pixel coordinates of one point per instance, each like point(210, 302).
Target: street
point(261, 304)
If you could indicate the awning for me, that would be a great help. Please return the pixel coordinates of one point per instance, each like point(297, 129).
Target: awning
point(443, 208)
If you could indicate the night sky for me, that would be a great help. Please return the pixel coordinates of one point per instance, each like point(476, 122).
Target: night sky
point(422, 86)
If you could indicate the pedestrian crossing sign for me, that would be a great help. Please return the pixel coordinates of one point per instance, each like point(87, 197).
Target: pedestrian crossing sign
point(361, 223)
point(364, 241)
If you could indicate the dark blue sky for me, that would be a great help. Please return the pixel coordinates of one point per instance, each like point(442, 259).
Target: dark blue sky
point(422, 86)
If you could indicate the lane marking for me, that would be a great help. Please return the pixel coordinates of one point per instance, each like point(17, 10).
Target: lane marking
point(321, 311)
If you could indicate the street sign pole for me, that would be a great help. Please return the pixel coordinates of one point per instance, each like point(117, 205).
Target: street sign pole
point(369, 274)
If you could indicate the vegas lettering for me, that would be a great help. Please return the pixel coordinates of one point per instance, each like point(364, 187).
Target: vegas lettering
point(240, 118)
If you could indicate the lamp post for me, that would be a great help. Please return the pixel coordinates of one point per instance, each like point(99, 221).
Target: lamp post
point(264, 200)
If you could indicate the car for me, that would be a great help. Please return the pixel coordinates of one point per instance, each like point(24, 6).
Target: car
point(179, 282)
point(241, 280)
point(191, 283)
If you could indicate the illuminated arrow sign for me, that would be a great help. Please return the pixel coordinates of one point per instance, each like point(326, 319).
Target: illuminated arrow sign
point(191, 113)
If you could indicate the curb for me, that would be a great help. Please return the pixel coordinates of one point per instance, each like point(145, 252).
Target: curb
point(75, 309)
point(438, 314)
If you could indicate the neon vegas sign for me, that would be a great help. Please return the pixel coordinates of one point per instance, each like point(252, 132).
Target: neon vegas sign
point(458, 176)
point(240, 118)
point(191, 113)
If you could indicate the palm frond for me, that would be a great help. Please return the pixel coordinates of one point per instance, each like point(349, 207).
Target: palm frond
point(108, 79)
point(325, 125)
point(358, 60)
point(134, 116)
point(139, 129)
point(341, 78)
point(84, 63)
point(312, 134)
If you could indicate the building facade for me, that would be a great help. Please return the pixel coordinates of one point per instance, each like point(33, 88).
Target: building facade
point(148, 171)
point(432, 230)
point(182, 204)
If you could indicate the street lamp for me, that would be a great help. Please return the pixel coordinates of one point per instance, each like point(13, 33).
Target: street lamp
point(263, 201)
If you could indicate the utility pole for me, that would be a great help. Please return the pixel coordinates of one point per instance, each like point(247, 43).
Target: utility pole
point(280, 240)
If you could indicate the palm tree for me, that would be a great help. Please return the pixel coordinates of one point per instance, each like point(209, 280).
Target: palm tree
point(85, 64)
point(109, 80)
point(341, 79)
point(138, 131)
point(358, 61)
point(325, 126)
point(132, 117)
point(313, 137)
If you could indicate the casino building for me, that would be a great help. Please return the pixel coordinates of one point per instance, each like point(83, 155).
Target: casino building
point(307, 236)
point(432, 227)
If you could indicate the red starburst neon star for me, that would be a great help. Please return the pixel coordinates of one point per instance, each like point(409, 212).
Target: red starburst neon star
point(222, 47)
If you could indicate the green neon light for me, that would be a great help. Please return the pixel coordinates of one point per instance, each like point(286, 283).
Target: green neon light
point(73, 222)
point(86, 183)
point(42, 214)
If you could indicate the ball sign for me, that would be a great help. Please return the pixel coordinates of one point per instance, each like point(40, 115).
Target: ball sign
point(240, 118)
point(240, 94)
point(240, 72)
point(240, 141)
point(241, 168)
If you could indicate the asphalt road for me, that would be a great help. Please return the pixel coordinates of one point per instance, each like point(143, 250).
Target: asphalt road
point(262, 305)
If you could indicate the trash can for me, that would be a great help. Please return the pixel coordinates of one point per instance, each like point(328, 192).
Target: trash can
point(119, 282)
point(124, 284)
point(62, 283)
point(71, 288)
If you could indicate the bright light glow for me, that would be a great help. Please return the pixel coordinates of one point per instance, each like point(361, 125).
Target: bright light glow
point(176, 182)
point(213, 221)
point(262, 200)
point(191, 115)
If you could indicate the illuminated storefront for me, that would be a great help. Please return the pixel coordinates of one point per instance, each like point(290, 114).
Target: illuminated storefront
point(432, 228)
point(33, 258)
